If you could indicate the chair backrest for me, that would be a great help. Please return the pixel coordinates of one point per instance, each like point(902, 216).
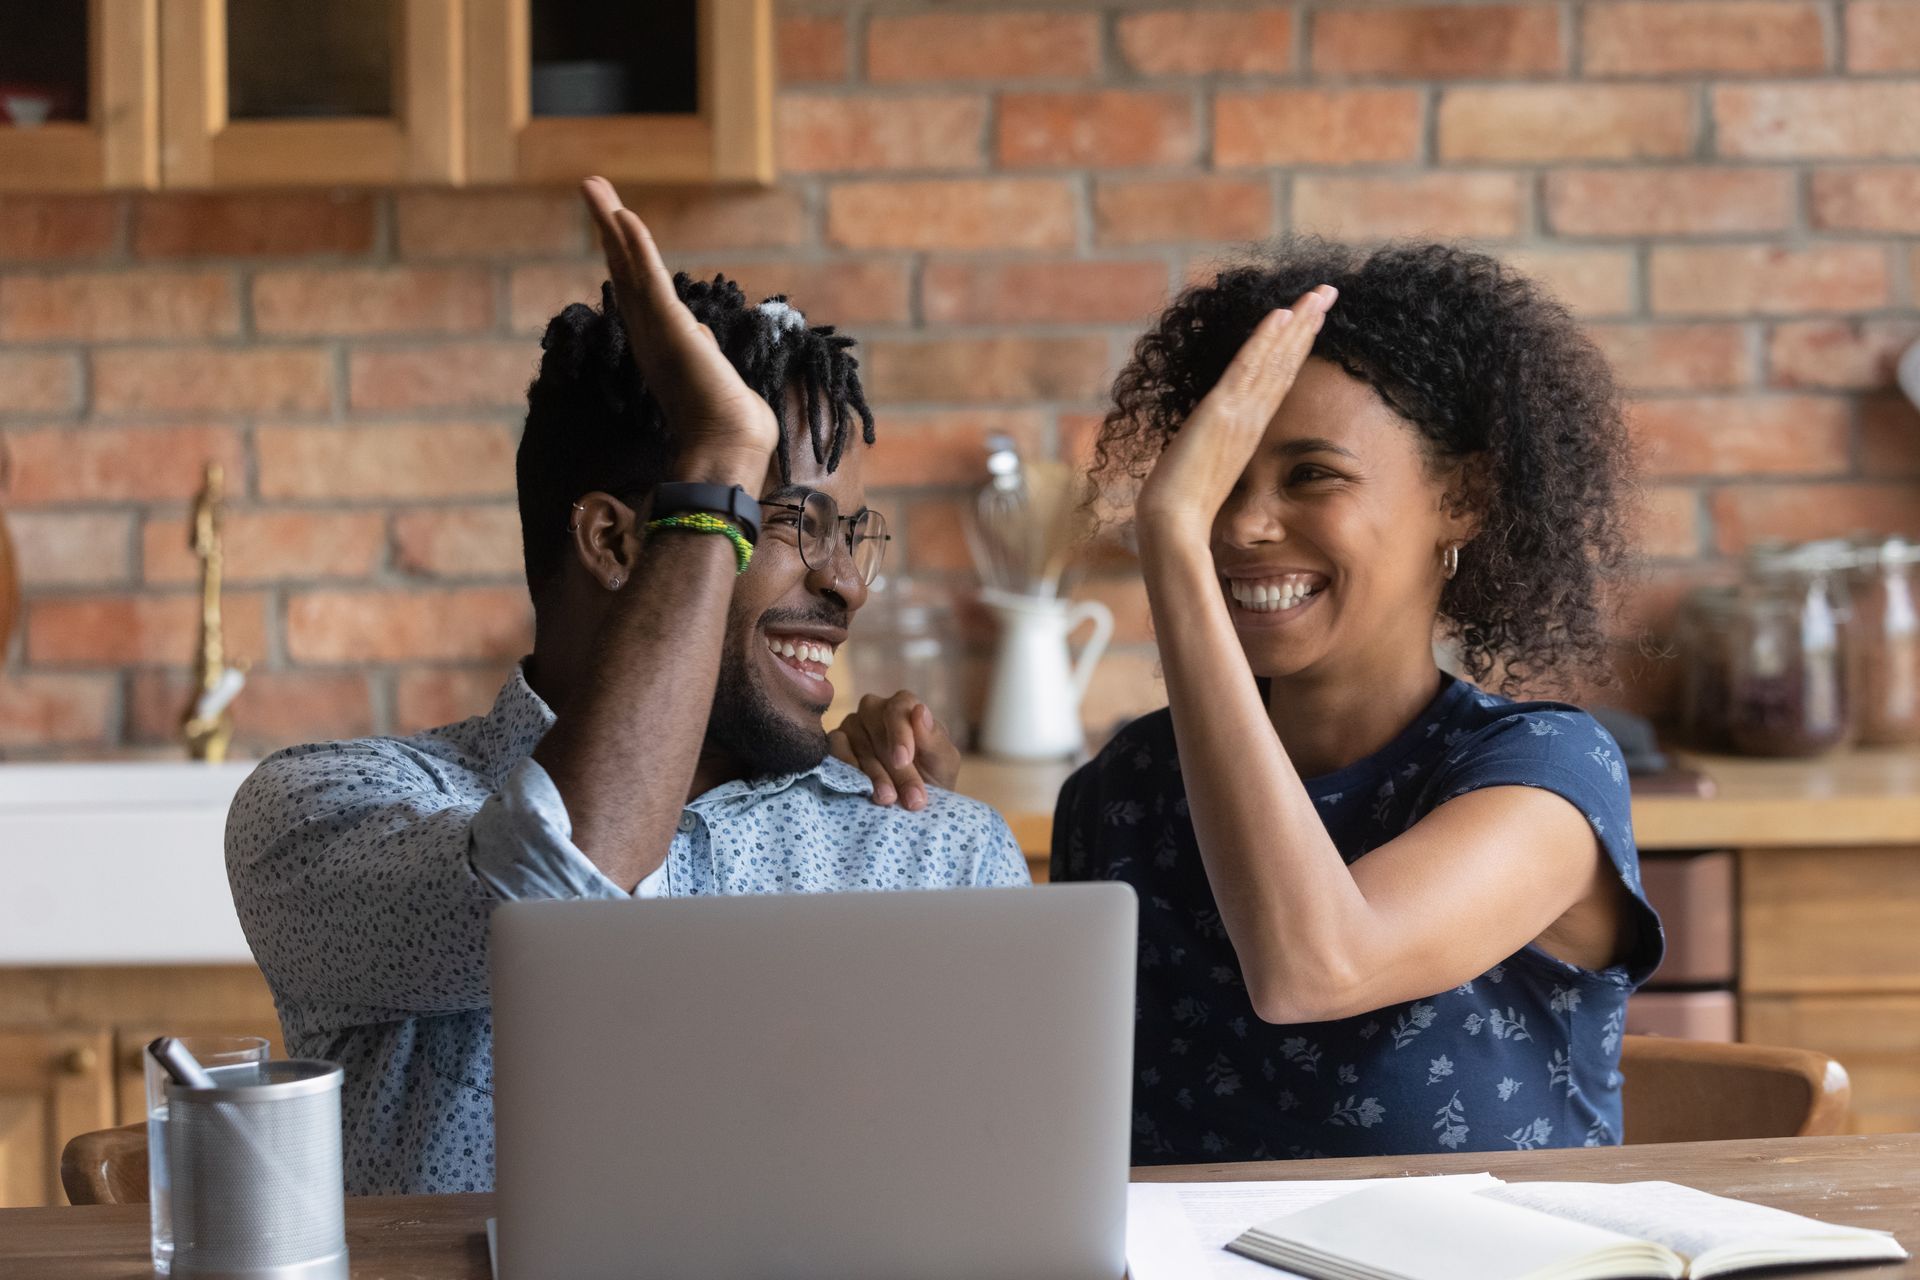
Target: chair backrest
point(107, 1166)
point(1699, 1091)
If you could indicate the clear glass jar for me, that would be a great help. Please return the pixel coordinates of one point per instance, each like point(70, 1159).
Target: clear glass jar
point(1886, 637)
point(1788, 662)
point(1703, 635)
point(904, 638)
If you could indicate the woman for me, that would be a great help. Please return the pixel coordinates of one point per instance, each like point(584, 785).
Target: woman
point(1382, 911)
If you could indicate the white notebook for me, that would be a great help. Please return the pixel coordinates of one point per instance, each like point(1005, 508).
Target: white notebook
point(1548, 1231)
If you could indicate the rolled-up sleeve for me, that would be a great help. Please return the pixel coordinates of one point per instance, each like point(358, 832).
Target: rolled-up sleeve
point(365, 881)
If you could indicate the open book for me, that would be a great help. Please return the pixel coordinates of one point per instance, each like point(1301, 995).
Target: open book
point(1548, 1231)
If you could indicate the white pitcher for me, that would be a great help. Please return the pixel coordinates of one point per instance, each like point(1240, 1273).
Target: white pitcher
point(1033, 710)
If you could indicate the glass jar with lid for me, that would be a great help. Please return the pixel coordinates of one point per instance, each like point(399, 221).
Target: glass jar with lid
point(1703, 633)
point(906, 639)
point(1789, 676)
point(1886, 637)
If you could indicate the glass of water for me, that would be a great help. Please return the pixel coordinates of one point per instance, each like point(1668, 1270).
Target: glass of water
point(230, 1060)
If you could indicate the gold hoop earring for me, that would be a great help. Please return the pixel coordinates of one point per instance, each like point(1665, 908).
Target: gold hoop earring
point(1450, 560)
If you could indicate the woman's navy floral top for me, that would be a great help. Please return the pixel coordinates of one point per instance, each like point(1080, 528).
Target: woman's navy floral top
point(1526, 1055)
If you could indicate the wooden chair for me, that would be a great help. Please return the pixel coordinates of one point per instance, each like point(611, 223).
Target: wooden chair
point(1698, 1091)
point(107, 1166)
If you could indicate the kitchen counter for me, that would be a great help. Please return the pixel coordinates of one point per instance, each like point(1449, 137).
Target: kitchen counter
point(1850, 799)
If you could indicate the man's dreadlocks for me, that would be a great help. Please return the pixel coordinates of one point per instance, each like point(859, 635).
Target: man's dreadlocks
point(592, 425)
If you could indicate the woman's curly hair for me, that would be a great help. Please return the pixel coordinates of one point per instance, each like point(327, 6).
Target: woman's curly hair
point(1493, 374)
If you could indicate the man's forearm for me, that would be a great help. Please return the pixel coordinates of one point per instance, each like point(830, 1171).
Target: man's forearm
point(623, 750)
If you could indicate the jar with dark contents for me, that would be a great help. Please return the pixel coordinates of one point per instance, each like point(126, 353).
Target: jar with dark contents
point(1789, 682)
point(1886, 637)
point(1703, 634)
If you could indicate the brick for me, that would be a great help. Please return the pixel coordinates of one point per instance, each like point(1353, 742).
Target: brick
point(57, 228)
point(1889, 437)
point(275, 709)
point(372, 300)
point(1677, 357)
point(1589, 282)
point(116, 464)
point(1208, 42)
point(1668, 527)
point(488, 224)
point(71, 548)
point(1838, 354)
point(396, 461)
point(982, 46)
point(269, 546)
point(1883, 35)
point(1316, 126)
point(1742, 435)
point(718, 218)
point(945, 447)
point(1113, 129)
point(1669, 202)
point(213, 380)
point(846, 292)
point(426, 697)
point(1863, 120)
point(452, 625)
point(1879, 199)
point(465, 375)
point(95, 306)
point(1570, 122)
point(458, 542)
point(1129, 211)
point(41, 710)
point(125, 630)
point(936, 536)
point(1445, 205)
point(812, 48)
point(1126, 596)
point(995, 213)
point(252, 226)
point(1744, 514)
point(1755, 279)
point(1439, 41)
point(832, 133)
point(1675, 37)
point(1076, 292)
point(980, 370)
point(38, 382)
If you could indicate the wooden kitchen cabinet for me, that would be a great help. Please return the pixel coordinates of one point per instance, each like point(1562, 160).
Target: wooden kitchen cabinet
point(70, 1042)
point(95, 66)
point(54, 1083)
point(546, 104)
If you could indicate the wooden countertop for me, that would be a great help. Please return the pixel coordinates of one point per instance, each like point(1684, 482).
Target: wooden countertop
point(1854, 798)
point(1860, 1181)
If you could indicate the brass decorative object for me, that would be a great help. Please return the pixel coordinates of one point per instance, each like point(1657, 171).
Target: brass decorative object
point(207, 725)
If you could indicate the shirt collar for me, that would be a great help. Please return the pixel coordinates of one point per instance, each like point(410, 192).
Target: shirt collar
point(518, 704)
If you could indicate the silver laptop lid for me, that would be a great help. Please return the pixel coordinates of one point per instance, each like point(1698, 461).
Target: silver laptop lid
point(924, 1084)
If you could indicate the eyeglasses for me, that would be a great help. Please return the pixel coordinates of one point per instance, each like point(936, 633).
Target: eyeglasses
point(814, 520)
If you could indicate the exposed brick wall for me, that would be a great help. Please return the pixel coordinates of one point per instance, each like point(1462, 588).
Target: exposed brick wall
point(995, 197)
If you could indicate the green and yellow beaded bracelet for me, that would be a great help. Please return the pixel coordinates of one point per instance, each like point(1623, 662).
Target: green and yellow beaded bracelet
point(707, 522)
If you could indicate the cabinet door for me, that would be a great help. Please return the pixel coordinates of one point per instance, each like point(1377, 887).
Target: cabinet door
point(1876, 1038)
point(78, 95)
point(54, 1085)
point(1835, 921)
point(674, 91)
point(288, 92)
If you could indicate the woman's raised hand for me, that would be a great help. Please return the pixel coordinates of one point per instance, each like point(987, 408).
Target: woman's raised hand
point(718, 419)
point(1198, 468)
point(897, 742)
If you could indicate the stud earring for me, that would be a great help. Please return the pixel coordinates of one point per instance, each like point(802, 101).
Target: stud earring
point(1450, 560)
point(613, 583)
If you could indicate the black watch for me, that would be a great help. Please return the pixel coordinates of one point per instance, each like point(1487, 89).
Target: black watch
point(729, 501)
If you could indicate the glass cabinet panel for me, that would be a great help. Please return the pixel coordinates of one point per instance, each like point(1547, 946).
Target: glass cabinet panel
point(298, 59)
point(598, 59)
point(44, 72)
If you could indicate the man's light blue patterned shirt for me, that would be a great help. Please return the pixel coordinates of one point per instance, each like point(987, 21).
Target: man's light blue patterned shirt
point(364, 873)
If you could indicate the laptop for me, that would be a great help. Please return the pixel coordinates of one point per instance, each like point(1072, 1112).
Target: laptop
point(870, 1086)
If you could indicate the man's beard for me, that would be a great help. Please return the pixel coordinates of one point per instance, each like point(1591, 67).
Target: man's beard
point(745, 726)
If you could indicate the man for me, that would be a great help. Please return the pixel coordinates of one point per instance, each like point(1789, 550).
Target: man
point(663, 739)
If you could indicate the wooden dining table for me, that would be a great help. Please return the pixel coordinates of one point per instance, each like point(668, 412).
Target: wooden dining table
point(1865, 1181)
